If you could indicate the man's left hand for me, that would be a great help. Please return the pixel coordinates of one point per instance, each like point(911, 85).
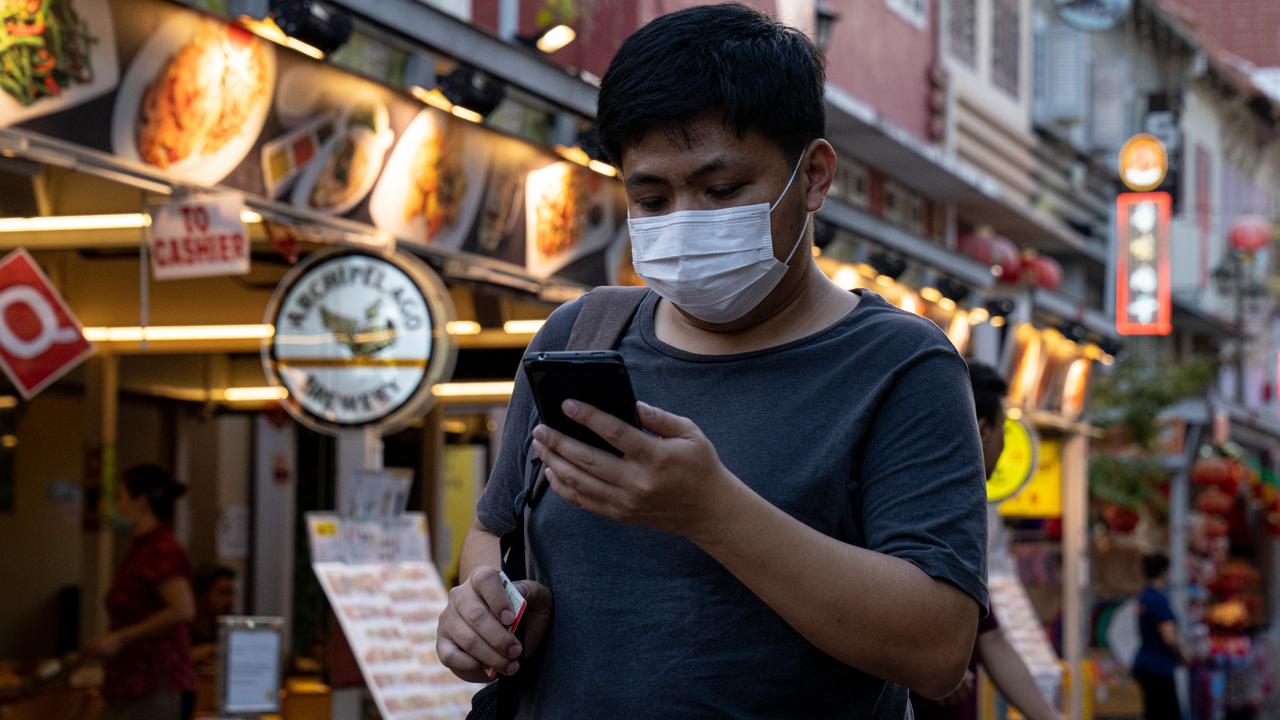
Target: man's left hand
point(669, 480)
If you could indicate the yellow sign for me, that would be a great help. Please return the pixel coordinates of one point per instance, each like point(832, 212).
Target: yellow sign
point(464, 470)
point(1042, 497)
point(1016, 464)
point(1143, 163)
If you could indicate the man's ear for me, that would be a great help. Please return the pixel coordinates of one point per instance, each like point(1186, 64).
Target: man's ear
point(820, 172)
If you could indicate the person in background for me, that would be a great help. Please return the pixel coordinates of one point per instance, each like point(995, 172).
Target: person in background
point(1000, 660)
point(215, 587)
point(149, 606)
point(1159, 655)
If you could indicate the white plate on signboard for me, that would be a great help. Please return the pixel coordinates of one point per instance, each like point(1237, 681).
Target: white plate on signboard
point(375, 144)
point(388, 206)
point(592, 227)
point(96, 15)
point(208, 168)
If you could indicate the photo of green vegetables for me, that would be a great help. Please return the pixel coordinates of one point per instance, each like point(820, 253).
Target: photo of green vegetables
point(44, 49)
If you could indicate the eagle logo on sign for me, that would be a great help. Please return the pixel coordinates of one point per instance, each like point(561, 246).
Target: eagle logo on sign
point(362, 339)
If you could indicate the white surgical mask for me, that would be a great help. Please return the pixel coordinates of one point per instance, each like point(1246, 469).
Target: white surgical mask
point(716, 265)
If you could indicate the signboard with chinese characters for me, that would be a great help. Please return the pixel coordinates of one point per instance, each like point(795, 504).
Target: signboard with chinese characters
point(1143, 163)
point(1042, 496)
point(1143, 302)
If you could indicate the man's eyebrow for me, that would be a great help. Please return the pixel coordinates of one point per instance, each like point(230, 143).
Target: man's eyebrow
point(713, 165)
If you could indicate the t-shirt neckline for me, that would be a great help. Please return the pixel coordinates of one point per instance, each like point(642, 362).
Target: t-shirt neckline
point(648, 331)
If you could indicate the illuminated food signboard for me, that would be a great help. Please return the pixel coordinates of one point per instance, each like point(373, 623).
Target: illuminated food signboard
point(1142, 264)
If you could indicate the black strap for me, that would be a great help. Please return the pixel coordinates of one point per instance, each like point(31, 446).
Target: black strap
point(604, 318)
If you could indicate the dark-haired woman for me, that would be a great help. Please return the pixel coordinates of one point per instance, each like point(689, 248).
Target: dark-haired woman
point(149, 605)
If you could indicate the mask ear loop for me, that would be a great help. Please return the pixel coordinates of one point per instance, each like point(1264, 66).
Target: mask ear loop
point(795, 171)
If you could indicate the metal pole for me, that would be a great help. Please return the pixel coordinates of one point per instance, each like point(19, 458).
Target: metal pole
point(1240, 340)
point(1075, 564)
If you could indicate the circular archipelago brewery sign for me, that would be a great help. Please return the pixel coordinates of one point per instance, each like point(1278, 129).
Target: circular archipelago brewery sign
point(359, 340)
point(1017, 464)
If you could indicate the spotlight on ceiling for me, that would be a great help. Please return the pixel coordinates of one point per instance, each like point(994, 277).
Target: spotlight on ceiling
point(471, 89)
point(315, 23)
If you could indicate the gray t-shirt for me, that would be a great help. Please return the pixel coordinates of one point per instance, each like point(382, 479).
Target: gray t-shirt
point(864, 431)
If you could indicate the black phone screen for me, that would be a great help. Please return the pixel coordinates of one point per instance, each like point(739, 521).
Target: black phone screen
point(595, 377)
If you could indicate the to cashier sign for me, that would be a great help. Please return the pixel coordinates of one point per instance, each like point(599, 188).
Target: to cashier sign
point(40, 340)
point(199, 236)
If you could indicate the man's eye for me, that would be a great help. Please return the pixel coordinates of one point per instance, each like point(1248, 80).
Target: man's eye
point(651, 204)
point(724, 192)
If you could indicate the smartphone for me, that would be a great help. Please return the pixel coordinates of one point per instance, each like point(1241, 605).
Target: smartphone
point(595, 377)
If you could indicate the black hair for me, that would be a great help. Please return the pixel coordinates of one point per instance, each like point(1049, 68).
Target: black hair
point(1154, 565)
point(989, 390)
point(756, 72)
point(207, 575)
point(153, 483)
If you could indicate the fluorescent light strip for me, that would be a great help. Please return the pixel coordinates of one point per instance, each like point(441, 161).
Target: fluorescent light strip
point(71, 223)
point(178, 333)
point(468, 389)
point(269, 30)
point(522, 327)
point(254, 394)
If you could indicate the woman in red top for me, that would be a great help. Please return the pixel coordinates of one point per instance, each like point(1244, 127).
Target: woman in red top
point(149, 605)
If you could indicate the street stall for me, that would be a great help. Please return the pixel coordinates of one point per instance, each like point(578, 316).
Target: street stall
point(164, 176)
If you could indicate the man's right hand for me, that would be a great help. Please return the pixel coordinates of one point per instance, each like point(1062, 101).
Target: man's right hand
point(473, 636)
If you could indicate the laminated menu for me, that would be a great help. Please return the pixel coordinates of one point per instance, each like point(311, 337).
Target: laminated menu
point(388, 599)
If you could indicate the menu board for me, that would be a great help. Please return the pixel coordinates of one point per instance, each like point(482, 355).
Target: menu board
point(208, 104)
point(388, 611)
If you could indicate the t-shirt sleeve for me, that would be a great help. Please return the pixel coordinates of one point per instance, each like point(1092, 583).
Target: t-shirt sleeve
point(496, 509)
point(922, 490)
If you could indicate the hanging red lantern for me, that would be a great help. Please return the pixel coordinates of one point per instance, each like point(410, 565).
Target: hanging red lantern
point(1121, 520)
point(1250, 234)
point(998, 253)
point(1216, 527)
point(1211, 472)
point(1213, 501)
point(1042, 271)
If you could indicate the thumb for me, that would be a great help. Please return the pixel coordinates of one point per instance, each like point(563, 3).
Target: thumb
point(662, 423)
point(537, 595)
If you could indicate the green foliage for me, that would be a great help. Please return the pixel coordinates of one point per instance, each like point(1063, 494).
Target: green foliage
point(555, 12)
point(1139, 388)
point(1127, 482)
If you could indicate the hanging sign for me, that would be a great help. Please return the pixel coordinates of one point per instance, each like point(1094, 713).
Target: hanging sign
point(1017, 463)
point(199, 236)
point(40, 340)
point(359, 340)
point(1143, 163)
point(1143, 301)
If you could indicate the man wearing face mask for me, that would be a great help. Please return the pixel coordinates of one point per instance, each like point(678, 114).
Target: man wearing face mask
point(799, 531)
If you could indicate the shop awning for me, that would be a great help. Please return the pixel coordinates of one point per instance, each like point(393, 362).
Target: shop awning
point(858, 130)
point(863, 223)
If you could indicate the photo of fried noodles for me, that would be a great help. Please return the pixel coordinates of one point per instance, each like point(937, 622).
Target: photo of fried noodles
point(203, 97)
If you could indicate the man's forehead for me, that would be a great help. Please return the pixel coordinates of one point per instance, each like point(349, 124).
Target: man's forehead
point(693, 147)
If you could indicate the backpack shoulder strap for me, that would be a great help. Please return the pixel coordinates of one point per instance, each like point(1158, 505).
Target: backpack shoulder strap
point(605, 315)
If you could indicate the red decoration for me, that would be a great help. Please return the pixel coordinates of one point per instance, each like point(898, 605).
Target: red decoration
point(1216, 527)
point(1250, 234)
point(1213, 501)
point(992, 250)
point(1217, 472)
point(1121, 520)
point(1042, 271)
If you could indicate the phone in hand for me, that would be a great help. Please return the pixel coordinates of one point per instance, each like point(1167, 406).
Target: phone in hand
point(596, 377)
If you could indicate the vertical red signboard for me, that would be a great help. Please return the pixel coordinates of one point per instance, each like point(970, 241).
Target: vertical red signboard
point(1143, 303)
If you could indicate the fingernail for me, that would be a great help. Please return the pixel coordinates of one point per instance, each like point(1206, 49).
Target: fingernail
point(540, 433)
point(571, 407)
point(515, 651)
point(507, 617)
point(537, 447)
point(512, 668)
point(644, 407)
